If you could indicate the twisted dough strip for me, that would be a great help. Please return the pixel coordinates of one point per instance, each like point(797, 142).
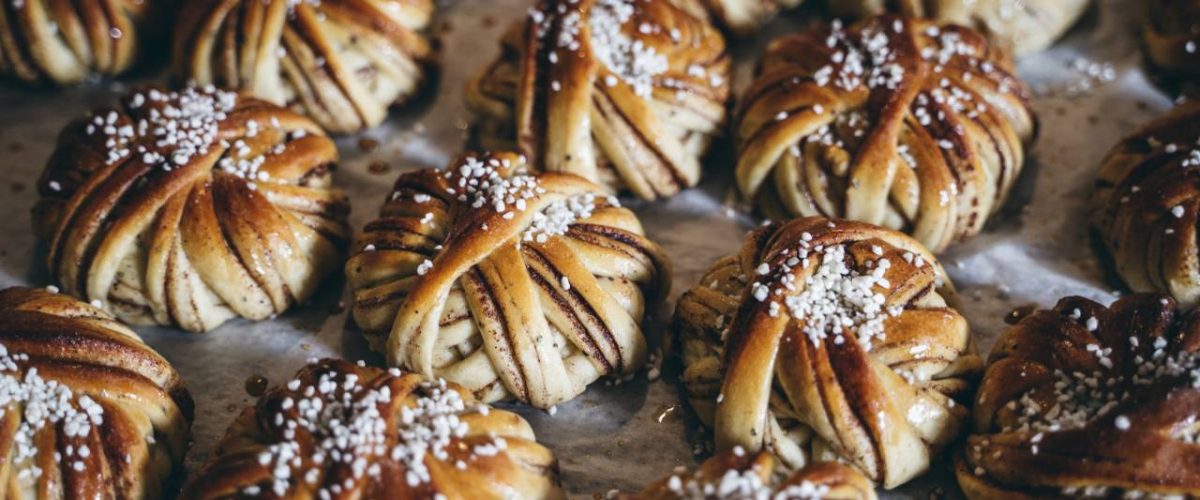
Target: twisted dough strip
point(64, 42)
point(189, 208)
point(744, 17)
point(341, 62)
point(89, 410)
point(1021, 26)
point(340, 431)
point(1171, 37)
point(896, 122)
point(1089, 401)
point(880, 395)
point(437, 290)
point(737, 475)
point(533, 299)
point(1146, 206)
point(631, 105)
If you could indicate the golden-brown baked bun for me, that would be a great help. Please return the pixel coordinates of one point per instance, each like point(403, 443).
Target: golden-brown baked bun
point(625, 93)
point(1172, 37)
point(189, 208)
point(1020, 26)
point(87, 409)
point(1146, 206)
point(344, 431)
point(893, 121)
point(829, 340)
point(43, 41)
point(512, 284)
point(341, 62)
point(1087, 401)
point(736, 474)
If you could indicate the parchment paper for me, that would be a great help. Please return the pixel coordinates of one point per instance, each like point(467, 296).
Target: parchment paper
point(624, 436)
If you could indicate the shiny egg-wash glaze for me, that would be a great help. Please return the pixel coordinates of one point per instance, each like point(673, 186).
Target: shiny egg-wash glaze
point(1146, 206)
point(90, 411)
point(343, 431)
point(1088, 401)
point(341, 62)
point(192, 207)
point(894, 121)
point(64, 43)
point(827, 339)
point(624, 93)
point(513, 284)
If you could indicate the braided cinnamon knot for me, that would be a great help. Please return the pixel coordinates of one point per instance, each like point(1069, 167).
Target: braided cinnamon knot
point(64, 43)
point(1146, 206)
point(87, 409)
point(341, 431)
point(1021, 26)
point(341, 62)
point(740, 475)
point(825, 340)
point(190, 208)
point(626, 93)
point(1089, 401)
point(1172, 36)
point(515, 285)
point(897, 122)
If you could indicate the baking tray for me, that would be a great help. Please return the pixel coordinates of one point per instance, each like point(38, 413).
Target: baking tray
point(1092, 88)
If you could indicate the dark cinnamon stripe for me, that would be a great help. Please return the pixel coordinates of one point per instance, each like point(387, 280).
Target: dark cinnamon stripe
point(491, 310)
point(372, 301)
point(572, 314)
point(227, 240)
point(852, 371)
point(600, 93)
point(101, 205)
point(592, 233)
point(532, 143)
point(310, 34)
